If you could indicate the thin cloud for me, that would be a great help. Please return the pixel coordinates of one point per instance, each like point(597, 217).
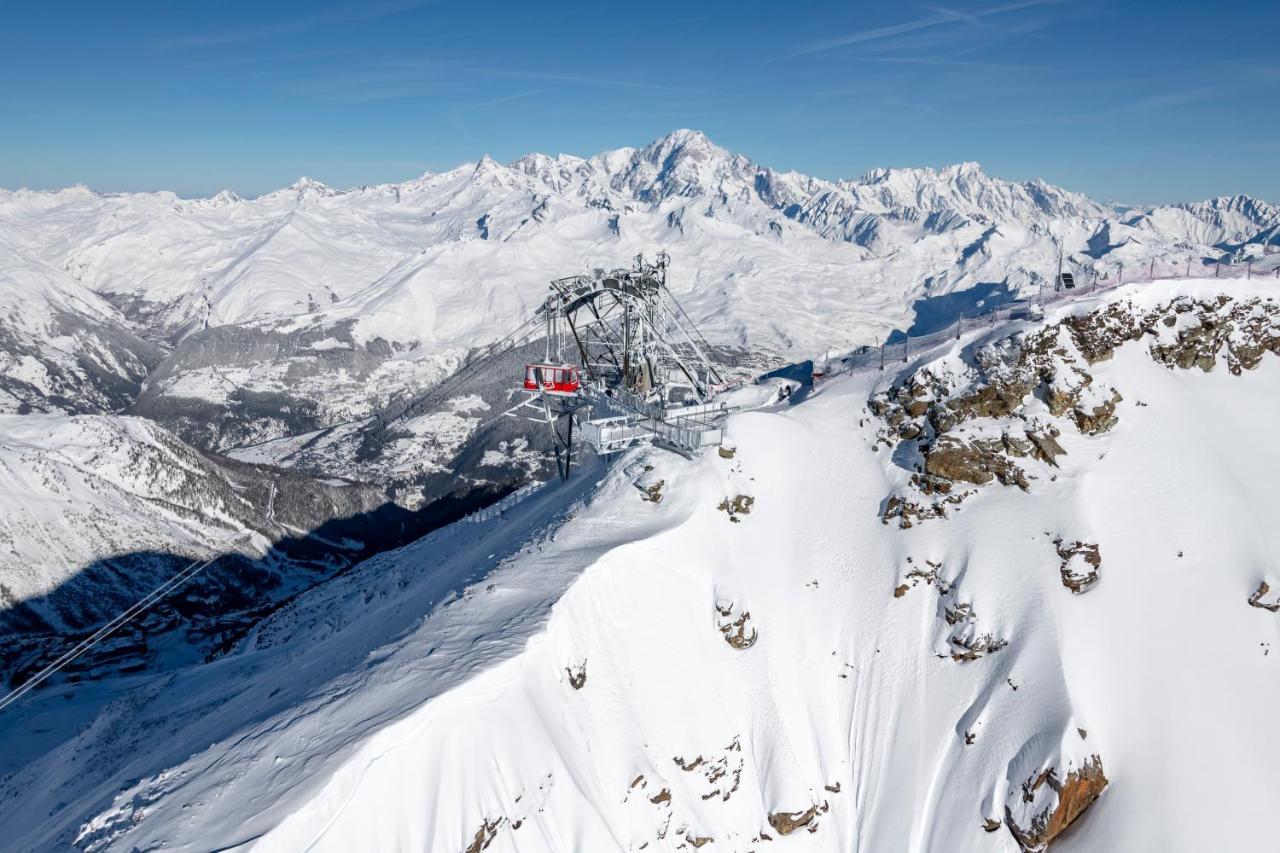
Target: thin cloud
point(940, 16)
point(1163, 100)
point(605, 82)
point(493, 102)
point(267, 59)
point(380, 84)
point(860, 97)
point(546, 76)
point(957, 14)
point(696, 19)
point(951, 63)
point(290, 26)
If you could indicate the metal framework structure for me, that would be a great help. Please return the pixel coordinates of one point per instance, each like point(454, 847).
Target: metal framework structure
point(623, 361)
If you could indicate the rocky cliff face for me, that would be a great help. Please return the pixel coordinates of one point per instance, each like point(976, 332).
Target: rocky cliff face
point(984, 420)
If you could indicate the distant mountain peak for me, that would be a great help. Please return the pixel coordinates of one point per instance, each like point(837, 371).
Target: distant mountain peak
point(305, 185)
point(684, 143)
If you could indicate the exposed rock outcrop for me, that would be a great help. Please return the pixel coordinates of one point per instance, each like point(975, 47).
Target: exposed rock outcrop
point(484, 835)
point(785, 823)
point(1081, 562)
point(970, 425)
point(1260, 593)
point(1049, 805)
point(964, 640)
point(735, 626)
point(718, 773)
point(736, 506)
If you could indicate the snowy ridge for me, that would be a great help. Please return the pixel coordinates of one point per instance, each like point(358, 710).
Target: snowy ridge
point(710, 652)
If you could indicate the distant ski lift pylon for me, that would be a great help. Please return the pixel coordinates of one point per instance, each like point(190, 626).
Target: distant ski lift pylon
point(623, 358)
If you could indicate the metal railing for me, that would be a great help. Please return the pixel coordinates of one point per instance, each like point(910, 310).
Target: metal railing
point(635, 421)
point(495, 510)
point(900, 352)
point(610, 435)
point(689, 435)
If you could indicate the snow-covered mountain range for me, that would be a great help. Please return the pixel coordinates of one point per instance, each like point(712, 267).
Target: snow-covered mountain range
point(252, 320)
point(276, 381)
point(450, 261)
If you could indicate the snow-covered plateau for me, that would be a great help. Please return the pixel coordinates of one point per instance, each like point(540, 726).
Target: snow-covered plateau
point(1014, 586)
point(1016, 592)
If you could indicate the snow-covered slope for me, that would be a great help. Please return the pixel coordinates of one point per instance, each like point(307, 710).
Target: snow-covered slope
point(97, 510)
point(953, 607)
point(1234, 221)
point(62, 346)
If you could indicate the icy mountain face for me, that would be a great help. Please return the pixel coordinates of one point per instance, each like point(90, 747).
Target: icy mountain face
point(751, 649)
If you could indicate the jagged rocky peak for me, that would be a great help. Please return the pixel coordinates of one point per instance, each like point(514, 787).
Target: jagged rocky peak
point(488, 175)
point(487, 164)
point(539, 165)
point(683, 143)
point(684, 163)
point(1240, 218)
point(1254, 208)
point(1225, 221)
point(307, 188)
point(967, 189)
point(226, 197)
point(784, 189)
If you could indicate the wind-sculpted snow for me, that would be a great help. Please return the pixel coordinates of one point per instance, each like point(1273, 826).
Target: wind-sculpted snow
point(735, 653)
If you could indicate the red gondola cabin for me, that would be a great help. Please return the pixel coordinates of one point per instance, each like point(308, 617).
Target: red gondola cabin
point(551, 378)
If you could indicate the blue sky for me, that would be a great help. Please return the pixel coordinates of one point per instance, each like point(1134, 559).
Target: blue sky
point(1140, 102)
